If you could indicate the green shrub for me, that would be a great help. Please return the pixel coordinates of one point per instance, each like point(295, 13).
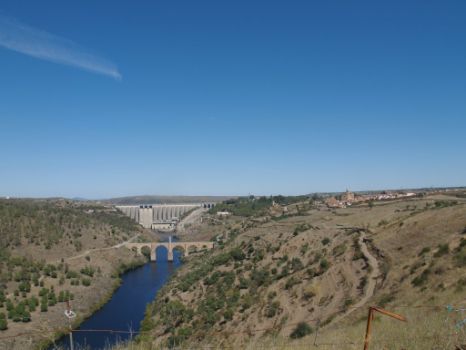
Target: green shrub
point(25, 286)
point(260, 277)
point(462, 244)
point(382, 223)
point(179, 337)
point(301, 228)
point(88, 271)
point(324, 265)
point(422, 278)
point(304, 248)
point(325, 241)
point(272, 309)
point(444, 203)
point(250, 206)
point(26, 316)
point(52, 299)
point(296, 264)
point(442, 250)
point(3, 323)
point(71, 274)
point(302, 329)
point(424, 251)
point(460, 258)
point(220, 259)
point(291, 282)
point(237, 254)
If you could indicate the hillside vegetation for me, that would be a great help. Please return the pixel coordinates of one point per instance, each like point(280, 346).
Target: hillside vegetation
point(284, 272)
point(48, 256)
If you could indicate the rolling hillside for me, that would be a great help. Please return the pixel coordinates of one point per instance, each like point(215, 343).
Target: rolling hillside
point(52, 251)
point(282, 275)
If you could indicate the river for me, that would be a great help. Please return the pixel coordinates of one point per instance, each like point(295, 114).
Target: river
point(125, 310)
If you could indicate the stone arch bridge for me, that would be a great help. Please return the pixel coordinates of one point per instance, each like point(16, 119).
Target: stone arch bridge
point(170, 246)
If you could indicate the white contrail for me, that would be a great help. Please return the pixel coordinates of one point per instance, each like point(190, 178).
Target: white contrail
point(37, 43)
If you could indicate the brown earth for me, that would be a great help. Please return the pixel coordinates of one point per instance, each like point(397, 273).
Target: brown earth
point(373, 255)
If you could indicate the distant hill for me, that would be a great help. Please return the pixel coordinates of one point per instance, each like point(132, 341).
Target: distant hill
point(147, 199)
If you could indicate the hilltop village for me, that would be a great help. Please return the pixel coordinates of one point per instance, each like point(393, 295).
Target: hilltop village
point(349, 198)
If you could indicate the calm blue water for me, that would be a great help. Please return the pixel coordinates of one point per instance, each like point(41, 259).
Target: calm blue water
point(125, 310)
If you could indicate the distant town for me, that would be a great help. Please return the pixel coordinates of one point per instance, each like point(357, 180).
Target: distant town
point(349, 198)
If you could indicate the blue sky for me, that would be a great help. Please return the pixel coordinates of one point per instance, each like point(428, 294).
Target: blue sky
point(232, 97)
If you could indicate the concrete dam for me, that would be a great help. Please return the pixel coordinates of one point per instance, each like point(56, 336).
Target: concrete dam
point(163, 216)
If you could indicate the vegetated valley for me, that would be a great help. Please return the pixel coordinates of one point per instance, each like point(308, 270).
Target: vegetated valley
point(52, 251)
point(290, 272)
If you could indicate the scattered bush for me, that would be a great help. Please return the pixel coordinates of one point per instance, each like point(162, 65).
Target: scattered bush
point(442, 250)
point(260, 277)
point(272, 309)
point(444, 203)
point(3, 322)
point(424, 251)
point(301, 330)
point(296, 264)
point(324, 265)
point(291, 282)
point(309, 293)
point(237, 254)
point(460, 258)
point(88, 271)
point(382, 223)
point(301, 228)
point(422, 278)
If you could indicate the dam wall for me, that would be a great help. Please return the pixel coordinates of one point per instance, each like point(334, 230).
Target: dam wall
point(146, 215)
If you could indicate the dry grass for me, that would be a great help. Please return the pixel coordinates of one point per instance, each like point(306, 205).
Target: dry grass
point(426, 328)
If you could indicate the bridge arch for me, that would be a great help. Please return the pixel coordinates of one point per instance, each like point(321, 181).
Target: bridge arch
point(156, 248)
point(181, 248)
point(161, 253)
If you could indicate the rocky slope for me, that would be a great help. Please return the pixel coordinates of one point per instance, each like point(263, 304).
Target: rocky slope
point(288, 272)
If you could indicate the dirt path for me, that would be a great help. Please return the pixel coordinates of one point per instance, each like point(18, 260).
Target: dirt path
point(192, 218)
point(371, 279)
point(119, 245)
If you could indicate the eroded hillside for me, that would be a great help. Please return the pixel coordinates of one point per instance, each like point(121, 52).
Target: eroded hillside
point(293, 269)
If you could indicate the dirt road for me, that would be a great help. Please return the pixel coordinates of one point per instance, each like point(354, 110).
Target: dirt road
point(192, 218)
point(119, 245)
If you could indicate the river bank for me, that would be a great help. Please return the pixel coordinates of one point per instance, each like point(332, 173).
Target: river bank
point(122, 269)
point(125, 309)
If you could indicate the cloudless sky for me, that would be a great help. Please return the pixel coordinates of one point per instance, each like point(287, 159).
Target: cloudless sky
point(236, 97)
